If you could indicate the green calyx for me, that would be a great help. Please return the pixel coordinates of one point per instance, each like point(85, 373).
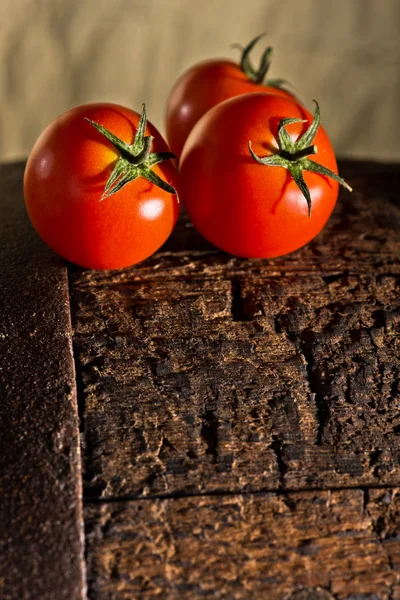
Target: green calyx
point(135, 160)
point(293, 156)
point(258, 75)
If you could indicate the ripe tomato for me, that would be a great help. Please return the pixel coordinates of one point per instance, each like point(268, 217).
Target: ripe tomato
point(94, 198)
point(251, 209)
point(209, 83)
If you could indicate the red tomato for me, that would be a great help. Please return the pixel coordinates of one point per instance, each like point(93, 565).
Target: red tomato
point(258, 210)
point(66, 177)
point(209, 83)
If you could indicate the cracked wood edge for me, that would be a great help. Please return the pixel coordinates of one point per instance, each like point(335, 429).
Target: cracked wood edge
point(41, 524)
point(323, 545)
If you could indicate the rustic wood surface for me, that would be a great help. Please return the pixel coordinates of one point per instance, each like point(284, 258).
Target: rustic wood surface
point(261, 546)
point(206, 381)
point(240, 419)
point(41, 541)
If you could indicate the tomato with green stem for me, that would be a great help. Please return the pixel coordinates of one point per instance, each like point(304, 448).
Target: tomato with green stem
point(210, 82)
point(99, 186)
point(259, 176)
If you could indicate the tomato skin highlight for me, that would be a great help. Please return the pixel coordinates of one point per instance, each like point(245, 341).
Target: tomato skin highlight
point(242, 207)
point(65, 177)
point(200, 88)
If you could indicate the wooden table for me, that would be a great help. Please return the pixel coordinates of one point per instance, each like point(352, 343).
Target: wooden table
point(235, 423)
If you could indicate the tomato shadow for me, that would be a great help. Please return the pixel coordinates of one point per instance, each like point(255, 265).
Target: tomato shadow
point(97, 182)
point(288, 180)
point(247, 159)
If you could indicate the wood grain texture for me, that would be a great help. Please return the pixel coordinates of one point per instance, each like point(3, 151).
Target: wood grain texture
point(340, 545)
point(200, 372)
point(41, 537)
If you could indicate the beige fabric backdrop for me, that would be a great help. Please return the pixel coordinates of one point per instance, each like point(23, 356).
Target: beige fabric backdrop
point(59, 53)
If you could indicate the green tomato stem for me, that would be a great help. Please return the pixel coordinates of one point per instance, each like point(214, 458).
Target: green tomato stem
point(258, 75)
point(293, 155)
point(136, 160)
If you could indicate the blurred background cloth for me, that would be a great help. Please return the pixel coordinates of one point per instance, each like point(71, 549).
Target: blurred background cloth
point(56, 54)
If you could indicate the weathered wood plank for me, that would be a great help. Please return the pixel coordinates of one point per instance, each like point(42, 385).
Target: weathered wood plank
point(173, 400)
point(248, 375)
point(41, 542)
point(181, 398)
point(247, 547)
